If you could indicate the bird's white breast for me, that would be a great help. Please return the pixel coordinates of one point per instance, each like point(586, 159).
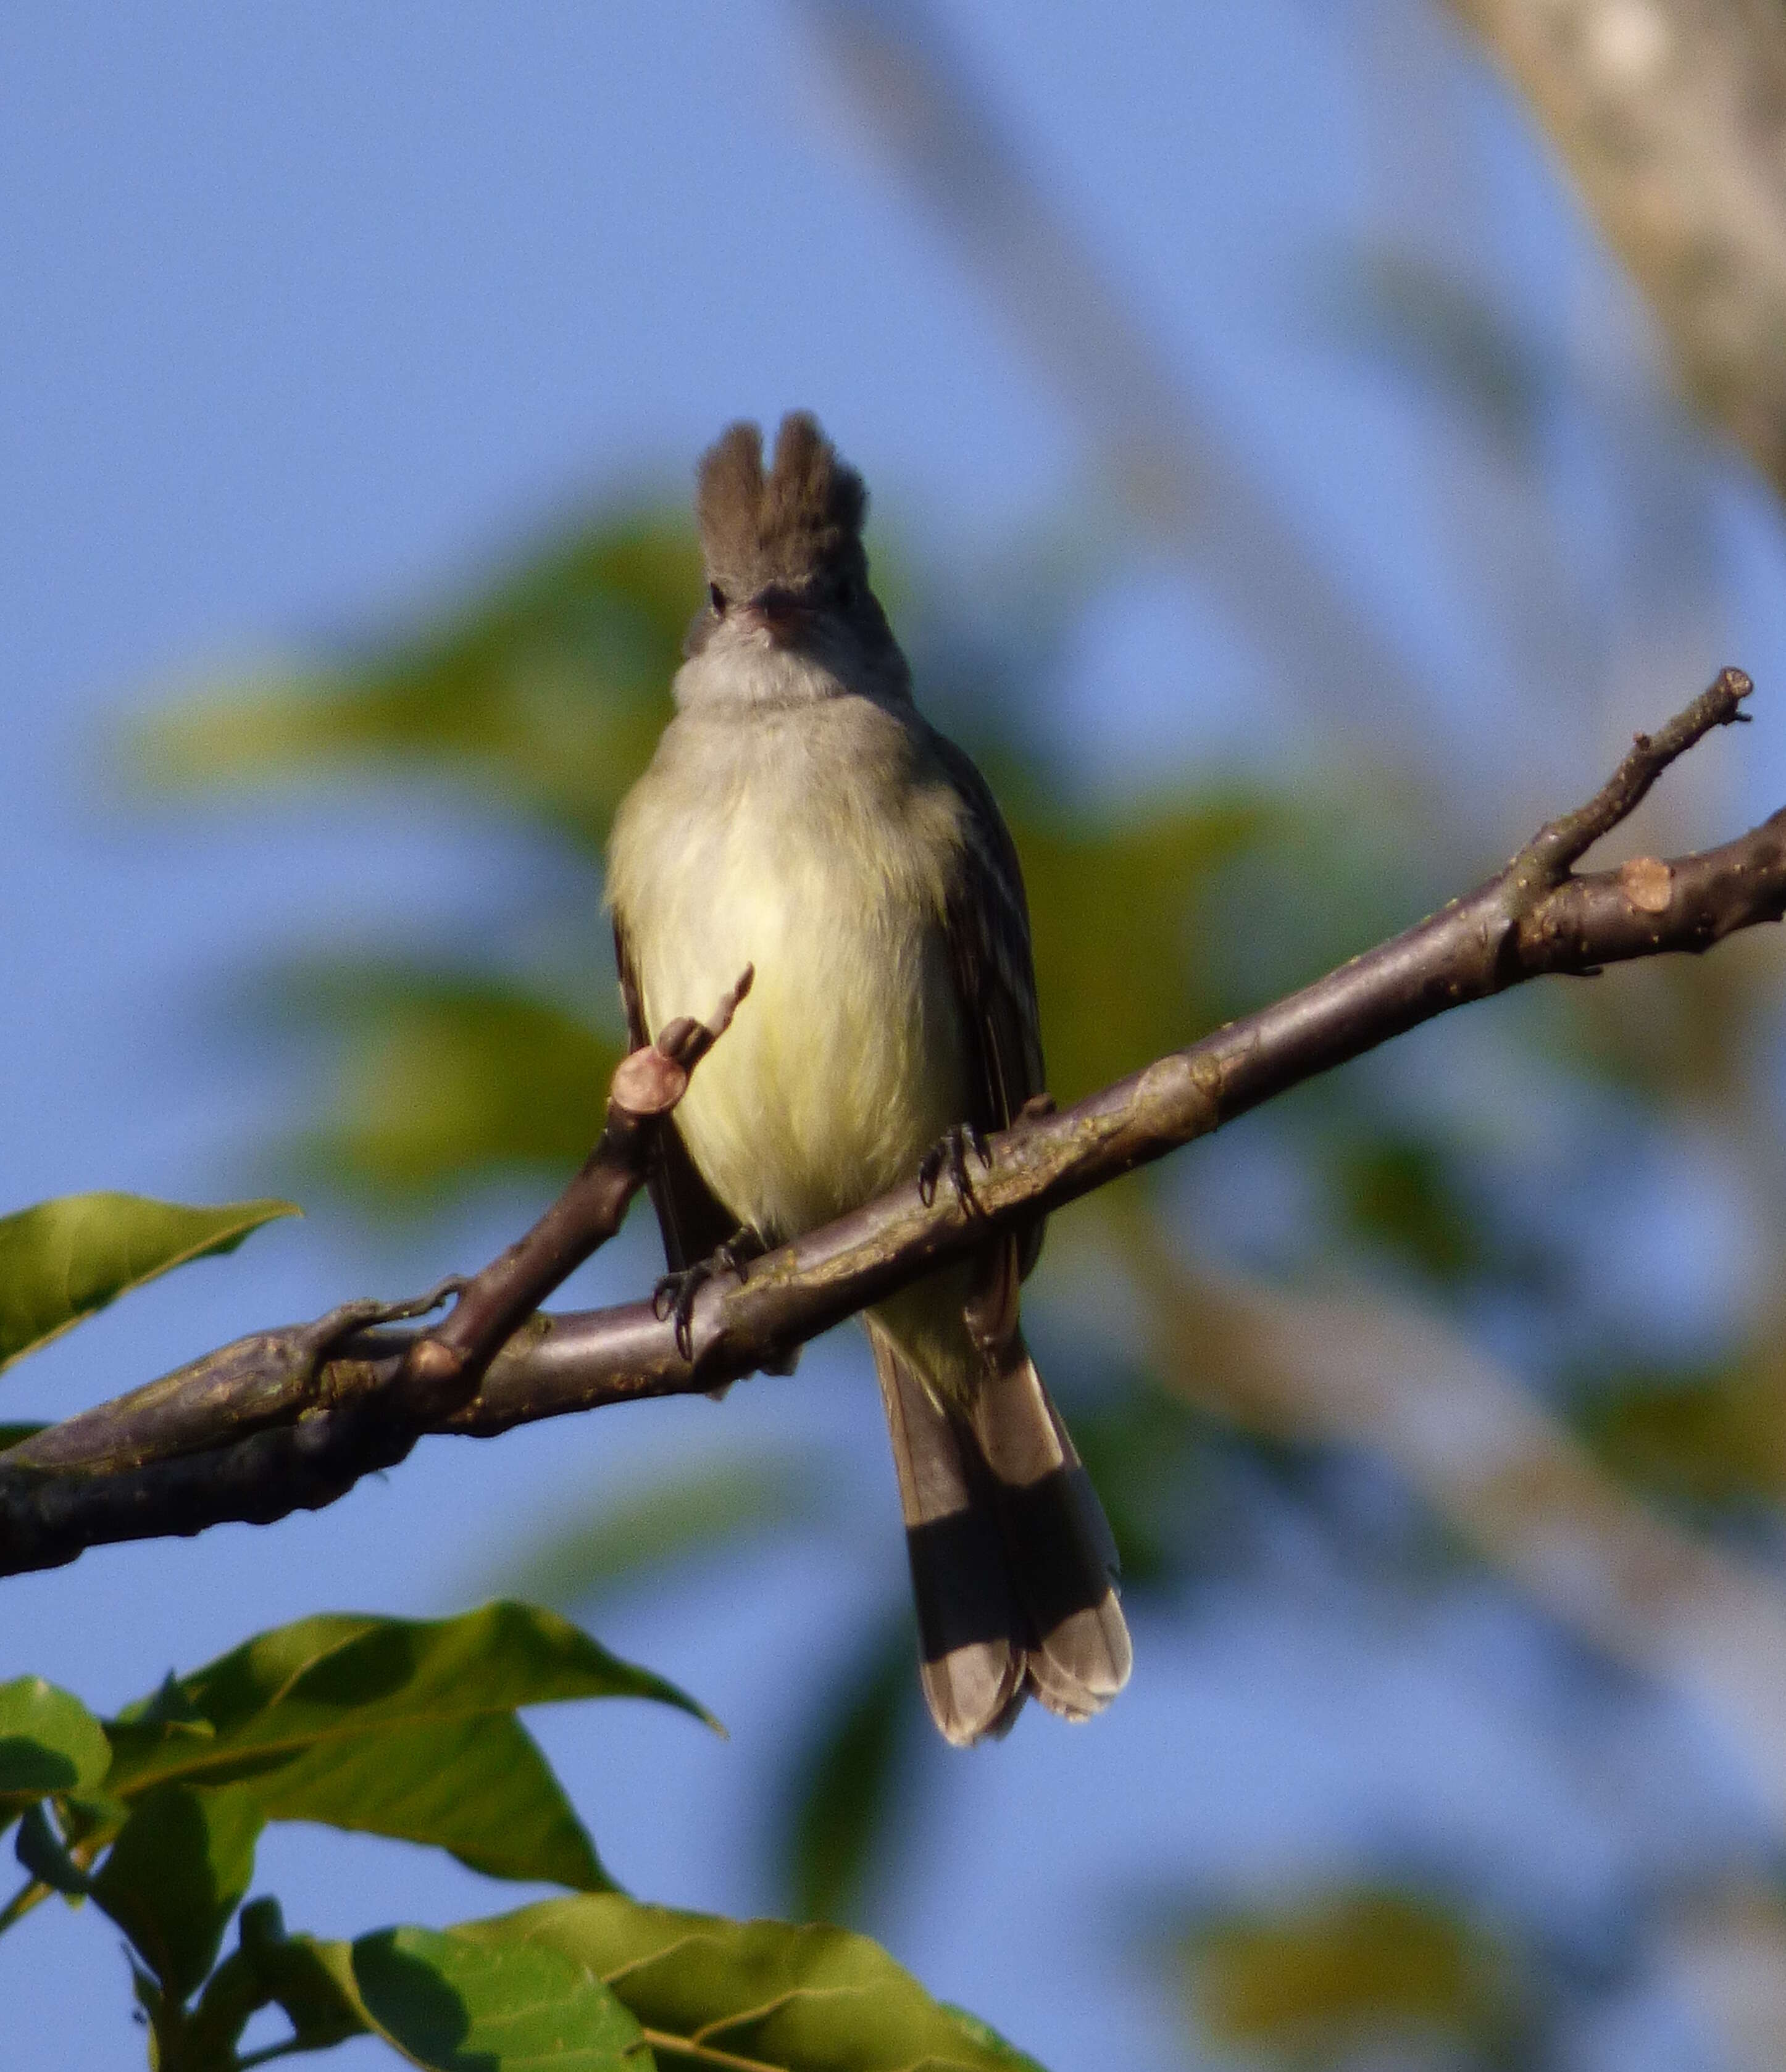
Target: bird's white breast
point(811, 844)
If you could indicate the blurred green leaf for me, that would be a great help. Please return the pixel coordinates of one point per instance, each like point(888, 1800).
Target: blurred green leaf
point(1120, 968)
point(49, 1743)
point(1705, 1437)
point(445, 1077)
point(176, 1874)
point(1684, 1033)
point(1367, 1966)
point(845, 1779)
point(1399, 1189)
point(756, 1993)
point(1147, 1456)
point(1433, 324)
point(61, 1260)
point(1341, 864)
point(1414, 1192)
point(678, 1518)
point(547, 693)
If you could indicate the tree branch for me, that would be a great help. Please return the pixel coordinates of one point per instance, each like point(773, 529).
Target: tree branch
point(443, 1367)
point(290, 1420)
point(1672, 116)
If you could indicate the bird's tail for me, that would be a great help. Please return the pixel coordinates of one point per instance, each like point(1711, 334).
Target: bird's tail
point(1013, 1563)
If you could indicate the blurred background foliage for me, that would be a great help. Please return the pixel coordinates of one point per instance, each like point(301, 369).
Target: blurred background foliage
point(1333, 1980)
point(1496, 1193)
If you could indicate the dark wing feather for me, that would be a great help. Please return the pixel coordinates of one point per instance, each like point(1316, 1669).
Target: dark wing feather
point(694, 1223)
point(988, 920)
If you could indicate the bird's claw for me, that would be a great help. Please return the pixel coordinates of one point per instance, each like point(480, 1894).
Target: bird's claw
point(674, 1296)
point(948, 1154)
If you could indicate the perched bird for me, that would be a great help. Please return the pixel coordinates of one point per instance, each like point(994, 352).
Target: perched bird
point(800, 816)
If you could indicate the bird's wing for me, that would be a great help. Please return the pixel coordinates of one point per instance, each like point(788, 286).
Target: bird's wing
point(694, 1223)
point(988, 923)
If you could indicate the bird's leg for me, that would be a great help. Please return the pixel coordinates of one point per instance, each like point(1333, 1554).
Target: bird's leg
point(674, 1295)
point(948, 1154)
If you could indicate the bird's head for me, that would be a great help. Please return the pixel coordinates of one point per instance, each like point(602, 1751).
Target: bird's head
point(785, 567)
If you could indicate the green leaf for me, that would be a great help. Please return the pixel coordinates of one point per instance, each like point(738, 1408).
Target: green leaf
point(705, 1510)
point(340, 1675)
point(395, 1727)
point(785, 1999)
point(1401, 1189)
point(478, 1788)
point(1357, 1967)
point(845, 1781)
point(63, 1260)
point(1430, 324)
point(267, 1966)
point(1329, 871)
point(458, 2001)
point(1151, 1459)
point(1706, 1438)
point(1122, 970)
point(987, 2038)
point(44, 1853)
point(599, 1982)
point(547, 692)
point(176, 1874)
point(49, 1742)
point(443, 1075)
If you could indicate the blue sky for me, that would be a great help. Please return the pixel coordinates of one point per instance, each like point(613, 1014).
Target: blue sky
point(310, 312)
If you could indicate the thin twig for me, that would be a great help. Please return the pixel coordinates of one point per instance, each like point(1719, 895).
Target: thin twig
point(1556, 850)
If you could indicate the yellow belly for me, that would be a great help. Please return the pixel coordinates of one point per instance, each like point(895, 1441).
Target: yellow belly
point(844, 1064)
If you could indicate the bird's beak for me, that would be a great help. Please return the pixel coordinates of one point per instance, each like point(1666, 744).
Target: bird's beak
point(782, 613)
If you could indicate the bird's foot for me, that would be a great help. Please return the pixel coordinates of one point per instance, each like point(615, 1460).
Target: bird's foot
point(948, 1154)
point(674, 1295)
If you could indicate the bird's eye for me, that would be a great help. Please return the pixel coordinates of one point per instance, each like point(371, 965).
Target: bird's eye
point(716, 597)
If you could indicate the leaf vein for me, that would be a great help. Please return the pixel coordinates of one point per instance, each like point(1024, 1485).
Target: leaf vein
point(742, 2014)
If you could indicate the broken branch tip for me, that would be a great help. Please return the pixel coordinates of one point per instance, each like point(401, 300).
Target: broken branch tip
point(648, 1082)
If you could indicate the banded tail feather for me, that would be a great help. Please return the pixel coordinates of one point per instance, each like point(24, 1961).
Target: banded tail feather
point(1013, 1564)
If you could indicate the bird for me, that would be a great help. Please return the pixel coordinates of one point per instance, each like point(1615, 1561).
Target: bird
point(801, 818)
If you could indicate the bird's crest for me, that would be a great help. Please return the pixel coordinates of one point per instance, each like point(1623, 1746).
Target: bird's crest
point(806, 512)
